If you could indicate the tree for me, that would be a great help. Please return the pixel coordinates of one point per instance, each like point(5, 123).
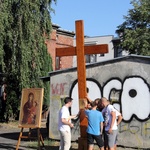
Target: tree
point(135, 31)
point(23, 53)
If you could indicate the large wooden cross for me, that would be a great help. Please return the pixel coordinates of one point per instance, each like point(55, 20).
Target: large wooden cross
point(80, 50)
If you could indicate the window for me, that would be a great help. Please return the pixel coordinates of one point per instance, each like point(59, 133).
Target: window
point(57, 63)
point(101, 55)
point(91, 58)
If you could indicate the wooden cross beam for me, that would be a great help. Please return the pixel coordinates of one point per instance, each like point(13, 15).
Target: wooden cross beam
point(90, 49)
point(80, 50)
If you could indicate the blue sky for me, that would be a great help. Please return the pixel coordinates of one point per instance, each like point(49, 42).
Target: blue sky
point(101, 17)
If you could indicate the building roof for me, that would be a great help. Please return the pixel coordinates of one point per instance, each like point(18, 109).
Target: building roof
point(61, 31)
point(133, 58)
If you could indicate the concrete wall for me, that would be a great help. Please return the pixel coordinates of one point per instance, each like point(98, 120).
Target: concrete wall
point(124, 81)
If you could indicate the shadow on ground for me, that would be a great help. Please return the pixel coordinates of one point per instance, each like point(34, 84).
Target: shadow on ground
point(56, 148)
point(10, 139)
point(10, 147)
point(15, 135)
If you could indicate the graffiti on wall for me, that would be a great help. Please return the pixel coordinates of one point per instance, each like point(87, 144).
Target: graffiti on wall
point(58, 88)
point(131, 96)
point(134, 127)
point(94, 88)
point(58, 91)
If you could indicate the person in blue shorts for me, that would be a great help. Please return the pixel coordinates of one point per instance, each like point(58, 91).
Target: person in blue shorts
point(95, 126)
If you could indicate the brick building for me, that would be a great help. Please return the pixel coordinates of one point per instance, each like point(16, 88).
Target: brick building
point(64, 38)
point(60, 38)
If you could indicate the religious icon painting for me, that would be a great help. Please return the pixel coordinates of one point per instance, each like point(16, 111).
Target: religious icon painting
point(31, 107)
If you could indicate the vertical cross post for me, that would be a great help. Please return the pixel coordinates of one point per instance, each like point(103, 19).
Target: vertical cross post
point(81, 69)
point(80, 50)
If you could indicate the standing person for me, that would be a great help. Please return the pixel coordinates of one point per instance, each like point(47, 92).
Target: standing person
point(95, 126)
point(4, 104)
point(110, 123)
point(118, 119)
point(65, 125)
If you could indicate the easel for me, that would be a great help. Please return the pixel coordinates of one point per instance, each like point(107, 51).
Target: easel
point(39, 137)
point(30, 113)
point(80, 50)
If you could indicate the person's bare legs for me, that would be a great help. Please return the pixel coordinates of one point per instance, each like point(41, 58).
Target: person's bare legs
point(106, 148)
point(115, 147)
point(102, 148)
point(90, 147)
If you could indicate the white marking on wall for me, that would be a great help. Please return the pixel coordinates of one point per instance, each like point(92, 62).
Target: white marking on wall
point(135, 99)
point(112, 84)
point(94, 92)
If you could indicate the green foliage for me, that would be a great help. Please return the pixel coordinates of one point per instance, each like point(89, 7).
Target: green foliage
point(135, 31)
point(23, 53)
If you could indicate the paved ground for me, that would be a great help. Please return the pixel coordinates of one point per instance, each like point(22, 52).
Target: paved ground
point(9, 134)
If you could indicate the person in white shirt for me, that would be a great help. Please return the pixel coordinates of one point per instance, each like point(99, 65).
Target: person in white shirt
point(110, 123)
point(118, 119)
point(65, 125)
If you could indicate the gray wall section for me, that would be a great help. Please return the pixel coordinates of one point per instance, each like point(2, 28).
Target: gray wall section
point(124, 81)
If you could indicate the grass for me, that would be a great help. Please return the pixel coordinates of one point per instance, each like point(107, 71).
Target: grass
point(50, 144)
point(47, 142)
